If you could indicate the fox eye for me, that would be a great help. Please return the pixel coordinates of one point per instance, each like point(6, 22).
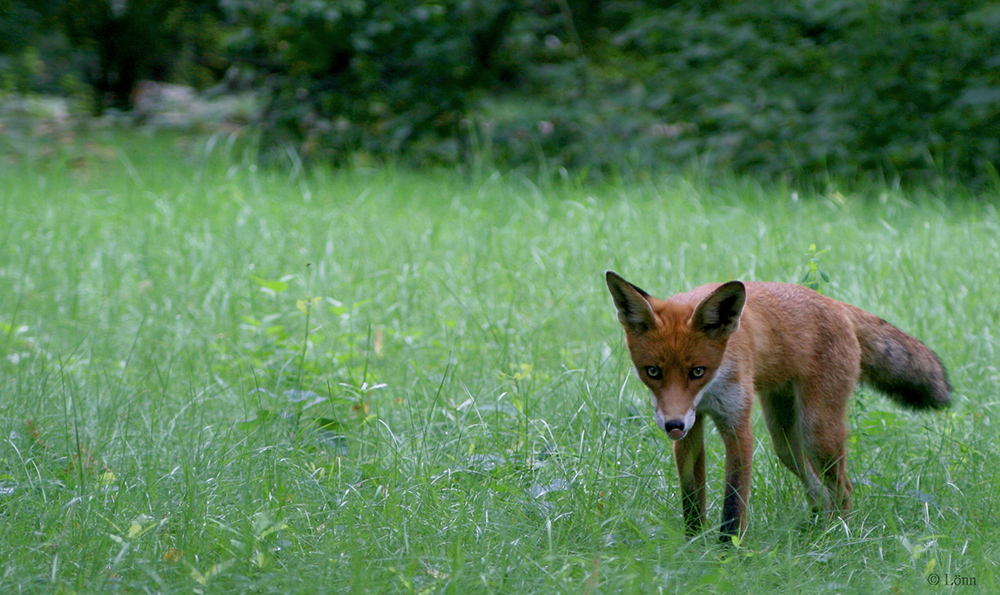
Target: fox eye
point(697, 372)
point(653, 372)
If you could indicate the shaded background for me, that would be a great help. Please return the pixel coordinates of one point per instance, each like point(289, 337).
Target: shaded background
point(871, 88)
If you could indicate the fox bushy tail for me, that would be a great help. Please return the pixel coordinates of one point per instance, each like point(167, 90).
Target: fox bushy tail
point(900, 366)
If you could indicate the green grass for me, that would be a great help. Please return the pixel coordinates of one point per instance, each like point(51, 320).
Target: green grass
point(219, 379)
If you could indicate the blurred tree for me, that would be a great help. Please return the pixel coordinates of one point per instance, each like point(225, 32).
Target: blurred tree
point(127, 39)
point(137, 39)
point(20, 22)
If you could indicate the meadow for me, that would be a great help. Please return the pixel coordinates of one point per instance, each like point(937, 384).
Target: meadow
point(217, 377)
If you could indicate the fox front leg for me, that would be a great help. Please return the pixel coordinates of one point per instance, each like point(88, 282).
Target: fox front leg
point(739, 461)
point(689, 453)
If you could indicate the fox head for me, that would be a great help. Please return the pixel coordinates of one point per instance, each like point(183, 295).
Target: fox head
point(677, 345)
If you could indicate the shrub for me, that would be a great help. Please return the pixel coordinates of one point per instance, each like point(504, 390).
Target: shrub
point(789, 87)
point(375, 76)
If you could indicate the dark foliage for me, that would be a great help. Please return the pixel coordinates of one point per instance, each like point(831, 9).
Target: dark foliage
point(774, 87)
point(898, 87)
point(378, 76)
point(905, 88)
point(109, 45)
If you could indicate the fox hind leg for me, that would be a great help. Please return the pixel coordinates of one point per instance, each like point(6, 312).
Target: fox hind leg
point(830, 459)
point(824, 434)
point(781, 413)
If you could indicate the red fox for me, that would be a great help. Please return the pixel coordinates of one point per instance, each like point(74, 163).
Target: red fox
point(707, 351)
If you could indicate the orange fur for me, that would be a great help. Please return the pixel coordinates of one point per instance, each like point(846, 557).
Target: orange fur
point(708, 351)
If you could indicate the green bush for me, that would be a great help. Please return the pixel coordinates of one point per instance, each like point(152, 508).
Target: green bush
point(905, 88)
point(902, 88)
point(772, 87)
point(376, 76)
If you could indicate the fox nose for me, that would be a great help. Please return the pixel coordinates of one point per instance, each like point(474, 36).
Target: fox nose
point(674, 428)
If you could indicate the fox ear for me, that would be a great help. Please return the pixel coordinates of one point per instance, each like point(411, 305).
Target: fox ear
point(634, 312)
point(718, 315)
